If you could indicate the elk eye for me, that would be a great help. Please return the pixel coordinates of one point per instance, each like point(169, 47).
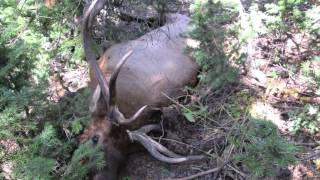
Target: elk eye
point(95, 139)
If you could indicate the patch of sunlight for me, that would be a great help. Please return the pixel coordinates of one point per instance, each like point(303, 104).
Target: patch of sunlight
point(7, 170)
point(192, 43)
point(264, 110)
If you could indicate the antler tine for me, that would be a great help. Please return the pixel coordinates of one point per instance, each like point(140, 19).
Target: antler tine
point(163, 149)
point(150, 127)
point(119, 117)
point(113, 78)
point(133, 118)
point(154, 151)
point(146, 129)
point(157, 150)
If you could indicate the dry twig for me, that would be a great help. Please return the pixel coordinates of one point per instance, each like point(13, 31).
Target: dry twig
point(203, 173)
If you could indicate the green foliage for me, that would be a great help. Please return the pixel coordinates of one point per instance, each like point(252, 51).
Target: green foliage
point(83, 160)
point(27, 30)
point(14, 111)
point(46, 141)
point(55, 140)
point(195, 112)
point(32, 34)
point(310, 71)
point(261, 148)
point(19, 44)
point(278, 14)
point(311, 22)
point(217, 24)
point(283, 15)
point(238, 104)
point(208, 19)
point(306, 118)
point(37, 168)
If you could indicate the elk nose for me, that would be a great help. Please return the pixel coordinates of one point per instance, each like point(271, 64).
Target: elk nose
point(95, 139)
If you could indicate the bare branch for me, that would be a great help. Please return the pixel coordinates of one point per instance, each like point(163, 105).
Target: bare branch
point(217, 169)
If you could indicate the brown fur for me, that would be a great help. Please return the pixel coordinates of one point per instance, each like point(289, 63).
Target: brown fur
point(158, 64)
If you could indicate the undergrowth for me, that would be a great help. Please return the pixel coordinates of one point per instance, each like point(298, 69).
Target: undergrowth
point(225, 30)
point(261, 149)
point(38, 137)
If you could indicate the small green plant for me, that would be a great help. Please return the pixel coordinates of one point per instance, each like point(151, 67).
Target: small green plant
point(194, 112)
point(311, 70)
point(238, 104)
point(261, 149)
point(307, 119)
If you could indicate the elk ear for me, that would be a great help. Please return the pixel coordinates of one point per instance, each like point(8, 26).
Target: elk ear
point(98, 105)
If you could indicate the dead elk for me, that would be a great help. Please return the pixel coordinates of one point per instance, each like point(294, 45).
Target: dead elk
point(152, 65)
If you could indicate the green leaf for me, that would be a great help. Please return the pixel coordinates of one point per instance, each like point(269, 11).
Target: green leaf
point(189, 115)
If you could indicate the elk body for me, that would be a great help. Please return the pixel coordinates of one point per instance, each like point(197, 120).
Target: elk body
point(155, 65)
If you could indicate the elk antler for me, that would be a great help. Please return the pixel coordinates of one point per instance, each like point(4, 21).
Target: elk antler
point(113, 78)
point(119, 117)
point(109, 95)
point(156, 149)
point(90, 13)
point(114, 110)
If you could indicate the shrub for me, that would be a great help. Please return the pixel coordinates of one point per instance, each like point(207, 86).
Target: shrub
point(261, 149)
point(45, 132)
point(209, 20)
